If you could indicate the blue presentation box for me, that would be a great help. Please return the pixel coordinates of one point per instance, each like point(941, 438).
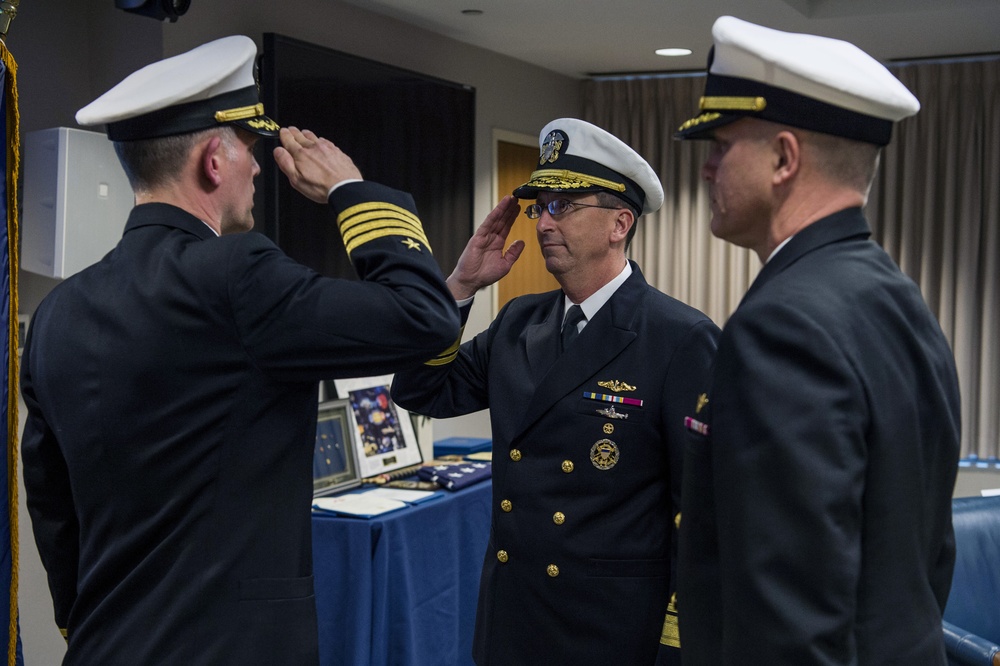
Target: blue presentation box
point(462, 446)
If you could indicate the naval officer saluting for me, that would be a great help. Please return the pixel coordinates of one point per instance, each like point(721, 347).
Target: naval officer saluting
point(588, 432)
point(172, 387)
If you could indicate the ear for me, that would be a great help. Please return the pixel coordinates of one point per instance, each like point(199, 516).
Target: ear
point(788, 157)
point(211, 161)
point(623, 222)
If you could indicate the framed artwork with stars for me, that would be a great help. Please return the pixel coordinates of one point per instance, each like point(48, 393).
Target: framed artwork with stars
point(384, 435)
point(335, 458)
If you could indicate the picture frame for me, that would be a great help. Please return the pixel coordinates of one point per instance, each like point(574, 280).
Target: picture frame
point(384, 434)
point(335, 455)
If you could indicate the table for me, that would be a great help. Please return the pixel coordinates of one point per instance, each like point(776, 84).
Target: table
point(401, 588)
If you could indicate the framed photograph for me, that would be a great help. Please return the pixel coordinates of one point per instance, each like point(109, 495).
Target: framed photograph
point(335, 457)
point(385, 438)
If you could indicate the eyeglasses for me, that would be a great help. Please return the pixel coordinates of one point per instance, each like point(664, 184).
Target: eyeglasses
point(560, 206)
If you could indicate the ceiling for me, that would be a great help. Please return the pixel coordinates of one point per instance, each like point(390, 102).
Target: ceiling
point(579, 38)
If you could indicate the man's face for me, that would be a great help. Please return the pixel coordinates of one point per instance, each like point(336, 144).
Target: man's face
point(242, 168)
point(738, 172)
point(577, 238)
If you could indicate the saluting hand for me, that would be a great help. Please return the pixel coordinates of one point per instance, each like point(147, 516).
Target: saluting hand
point(312, 164)
point(484, 260)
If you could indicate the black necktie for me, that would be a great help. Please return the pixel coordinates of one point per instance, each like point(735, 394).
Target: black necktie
point(570, 330)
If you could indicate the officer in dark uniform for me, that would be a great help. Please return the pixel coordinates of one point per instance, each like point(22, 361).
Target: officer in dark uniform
point(587, 432)
point(818, 483)
point(172, 387)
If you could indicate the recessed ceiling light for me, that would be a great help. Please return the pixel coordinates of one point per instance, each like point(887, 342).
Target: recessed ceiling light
point(673, 52)
point(472, 12)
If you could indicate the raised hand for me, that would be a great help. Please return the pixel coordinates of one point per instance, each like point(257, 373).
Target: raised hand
point(484, 260)
point(312, 164)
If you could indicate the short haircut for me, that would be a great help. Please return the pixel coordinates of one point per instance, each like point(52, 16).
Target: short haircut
point(152, 163)
point(613, 200)
point(845, 161)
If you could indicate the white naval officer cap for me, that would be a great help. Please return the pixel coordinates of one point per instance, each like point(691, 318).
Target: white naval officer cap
point(577, 156)
point(807, 81)
point(208, 86)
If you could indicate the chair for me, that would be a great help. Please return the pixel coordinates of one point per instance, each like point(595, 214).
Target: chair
point(972, 615)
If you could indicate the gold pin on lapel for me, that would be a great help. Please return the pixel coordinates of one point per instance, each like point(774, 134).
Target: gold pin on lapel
point(702, 401)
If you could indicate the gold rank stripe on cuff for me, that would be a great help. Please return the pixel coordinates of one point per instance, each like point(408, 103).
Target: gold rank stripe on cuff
point(373, 220)
point(671, 635)
point(449, 354)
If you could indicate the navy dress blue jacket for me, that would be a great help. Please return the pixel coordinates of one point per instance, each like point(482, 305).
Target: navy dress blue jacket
point(580, 564)
point(171, 391)
point(817, 502)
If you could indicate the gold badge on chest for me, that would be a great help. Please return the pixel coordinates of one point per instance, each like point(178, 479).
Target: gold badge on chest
point(616, 385)
point(604, 454)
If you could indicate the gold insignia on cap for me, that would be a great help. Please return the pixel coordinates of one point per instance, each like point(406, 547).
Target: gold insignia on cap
point(604, 454)
point(264, 123)
point(616, 385)
point(703, 118)
point(702, 401)
point(239, 113)
point(755, 104)
point(565, 179)
point(551, 146)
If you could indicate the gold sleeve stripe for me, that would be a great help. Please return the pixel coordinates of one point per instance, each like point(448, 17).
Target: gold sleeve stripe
point(369, 217)
point(373, 220)
point(375, 209)
point(382, 232)
point(449, 354)
point(406, 229)
point(671, 634)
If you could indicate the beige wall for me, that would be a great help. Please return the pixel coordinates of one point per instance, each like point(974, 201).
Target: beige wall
point(69, 52)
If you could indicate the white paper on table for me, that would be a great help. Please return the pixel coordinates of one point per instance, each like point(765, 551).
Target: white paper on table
point(360, 504)
point(402, 494)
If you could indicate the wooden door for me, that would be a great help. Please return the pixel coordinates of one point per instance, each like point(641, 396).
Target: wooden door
point(515, 162)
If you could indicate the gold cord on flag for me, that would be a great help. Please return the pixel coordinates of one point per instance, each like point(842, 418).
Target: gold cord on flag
point(8, 10)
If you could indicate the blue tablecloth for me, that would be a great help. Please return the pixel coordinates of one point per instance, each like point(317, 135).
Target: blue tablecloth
point(400, 589)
